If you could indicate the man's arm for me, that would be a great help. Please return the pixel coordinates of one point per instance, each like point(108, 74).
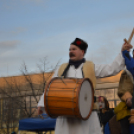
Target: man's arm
point(111, 69)
point(41, 105)
point(114, 68)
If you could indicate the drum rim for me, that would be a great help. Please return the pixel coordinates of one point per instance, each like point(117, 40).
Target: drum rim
point(45, 98)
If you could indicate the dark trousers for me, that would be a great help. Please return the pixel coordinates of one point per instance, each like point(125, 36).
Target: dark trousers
point(125, 126)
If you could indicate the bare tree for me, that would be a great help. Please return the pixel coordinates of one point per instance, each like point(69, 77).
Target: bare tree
point(19, 92)
point(9, 112)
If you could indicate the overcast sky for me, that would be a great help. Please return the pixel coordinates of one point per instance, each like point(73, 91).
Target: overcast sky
point(33, 29)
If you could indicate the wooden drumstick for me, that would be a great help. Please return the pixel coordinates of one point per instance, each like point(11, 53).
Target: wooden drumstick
point(130, 38)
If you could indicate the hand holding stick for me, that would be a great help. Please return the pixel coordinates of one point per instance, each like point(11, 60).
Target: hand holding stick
point(127, 42)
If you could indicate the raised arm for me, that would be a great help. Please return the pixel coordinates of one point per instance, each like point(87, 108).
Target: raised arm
point(115, 67)
point(111, 69)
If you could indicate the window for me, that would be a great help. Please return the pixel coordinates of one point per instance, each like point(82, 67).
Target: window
point(110, 94)
point(13, 109)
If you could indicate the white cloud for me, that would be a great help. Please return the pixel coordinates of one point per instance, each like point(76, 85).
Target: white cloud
point(9, 44)
point(35, 1)
point(13, 32)
point(18, 30)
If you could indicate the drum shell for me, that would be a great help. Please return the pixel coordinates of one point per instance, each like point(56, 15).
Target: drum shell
point(61, 97)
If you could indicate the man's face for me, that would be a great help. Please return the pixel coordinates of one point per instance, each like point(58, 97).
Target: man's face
point(75, 53)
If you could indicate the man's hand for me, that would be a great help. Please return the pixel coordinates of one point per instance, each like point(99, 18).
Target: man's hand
point(126, 46)
point(129, 102)
point(39, 110)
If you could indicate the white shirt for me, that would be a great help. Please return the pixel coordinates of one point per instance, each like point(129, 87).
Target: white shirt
point(91, 126)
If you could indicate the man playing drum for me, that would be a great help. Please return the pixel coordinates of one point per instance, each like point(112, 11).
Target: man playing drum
point(78, 67)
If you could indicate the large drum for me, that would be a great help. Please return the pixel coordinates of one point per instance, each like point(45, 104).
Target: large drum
point(69, 97)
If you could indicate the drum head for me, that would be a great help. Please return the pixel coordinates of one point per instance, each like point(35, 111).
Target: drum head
point(85, 99)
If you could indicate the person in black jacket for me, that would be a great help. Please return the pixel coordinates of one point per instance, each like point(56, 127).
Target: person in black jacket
point(105, 113)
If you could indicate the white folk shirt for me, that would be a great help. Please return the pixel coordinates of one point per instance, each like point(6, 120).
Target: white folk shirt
point(66, 125)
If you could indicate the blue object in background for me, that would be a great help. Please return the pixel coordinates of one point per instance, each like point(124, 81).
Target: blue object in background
point(106, 129)
point(132, 128)
point(37, 124)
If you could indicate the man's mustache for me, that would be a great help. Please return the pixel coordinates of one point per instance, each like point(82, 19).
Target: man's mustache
point(71, 55)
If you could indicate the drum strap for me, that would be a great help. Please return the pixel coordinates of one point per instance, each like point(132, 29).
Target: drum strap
point(65, 71)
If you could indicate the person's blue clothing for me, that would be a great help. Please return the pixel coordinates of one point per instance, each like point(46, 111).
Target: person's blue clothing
point(107, 129)
point(129, 61)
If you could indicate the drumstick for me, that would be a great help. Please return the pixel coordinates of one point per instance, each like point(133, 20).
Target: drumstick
point(130, 38)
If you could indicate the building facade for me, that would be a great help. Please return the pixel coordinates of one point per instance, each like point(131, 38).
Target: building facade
point(19, 96)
